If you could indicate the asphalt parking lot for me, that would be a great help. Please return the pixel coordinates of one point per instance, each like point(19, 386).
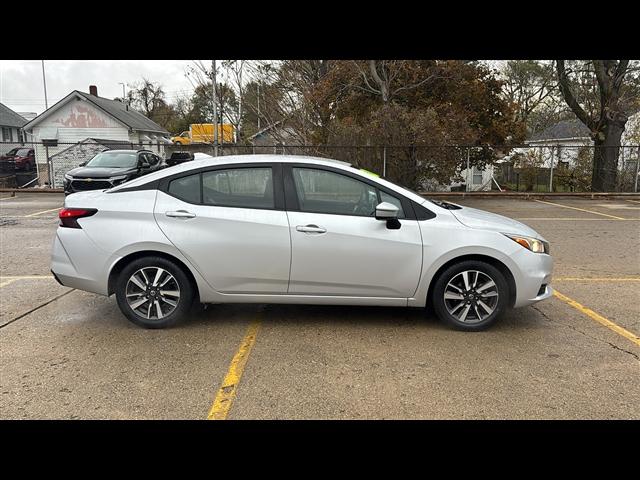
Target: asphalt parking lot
point(68, 354)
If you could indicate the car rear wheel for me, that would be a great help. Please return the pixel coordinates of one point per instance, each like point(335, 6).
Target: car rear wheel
point(470, 295)
point(154, 292)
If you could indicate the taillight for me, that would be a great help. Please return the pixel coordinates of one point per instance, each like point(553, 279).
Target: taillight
point(69, 216)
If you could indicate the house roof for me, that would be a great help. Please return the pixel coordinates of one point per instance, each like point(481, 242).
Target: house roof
point(129, 117)
point(100, 141)
point(562, 130)
point(9, 118)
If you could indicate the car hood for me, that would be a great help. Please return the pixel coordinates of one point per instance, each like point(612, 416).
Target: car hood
point(98, 172)
point(474, 218)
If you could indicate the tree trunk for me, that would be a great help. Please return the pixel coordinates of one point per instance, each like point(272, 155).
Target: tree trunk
point(605, 158)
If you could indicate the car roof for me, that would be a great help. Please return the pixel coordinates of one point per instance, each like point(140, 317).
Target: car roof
point(260, 158)
point(124, 150)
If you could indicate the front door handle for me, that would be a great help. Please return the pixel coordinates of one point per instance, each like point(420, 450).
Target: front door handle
point(311, 229)
point(180, 214)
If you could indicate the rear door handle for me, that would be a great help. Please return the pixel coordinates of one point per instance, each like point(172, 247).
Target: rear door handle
point(311, 229)
point(180, 214)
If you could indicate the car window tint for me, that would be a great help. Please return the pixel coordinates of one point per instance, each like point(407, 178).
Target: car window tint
point(385, 197)
point(239, 187)
point(322, 191)
point(186, 188)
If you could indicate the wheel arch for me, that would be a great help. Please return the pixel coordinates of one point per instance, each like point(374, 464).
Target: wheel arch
point(124, 261)
point(508, 275)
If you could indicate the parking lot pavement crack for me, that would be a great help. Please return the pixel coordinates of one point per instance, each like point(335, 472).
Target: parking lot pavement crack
point(537, 309)
point(37, 308)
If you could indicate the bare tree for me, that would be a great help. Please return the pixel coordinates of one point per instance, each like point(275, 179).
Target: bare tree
point(604, 114)
point(531, 85)
point(384, 78)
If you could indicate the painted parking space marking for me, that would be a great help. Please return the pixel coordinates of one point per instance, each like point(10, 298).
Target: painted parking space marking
point(579, 209)
point(227, 391)
point(6, 280)
point(598, 318)
point(573, 219)
point(39, 213)
point(633, 201)
point(596, 279)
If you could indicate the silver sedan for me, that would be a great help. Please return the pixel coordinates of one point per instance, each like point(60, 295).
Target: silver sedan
point(292, 229)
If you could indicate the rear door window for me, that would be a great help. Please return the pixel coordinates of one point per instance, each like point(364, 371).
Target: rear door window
point(239, 187)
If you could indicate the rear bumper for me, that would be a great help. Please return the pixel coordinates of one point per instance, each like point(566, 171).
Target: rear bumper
point(82, 270)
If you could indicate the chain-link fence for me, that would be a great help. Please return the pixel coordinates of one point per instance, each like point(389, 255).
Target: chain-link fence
point(43, 164)
point(524, 168)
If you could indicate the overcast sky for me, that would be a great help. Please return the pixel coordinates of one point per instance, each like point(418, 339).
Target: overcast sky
point(21, 87)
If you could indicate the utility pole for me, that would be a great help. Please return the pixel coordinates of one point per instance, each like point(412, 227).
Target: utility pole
point(215, 110)
point(44, 82)
point(258, 105)
point(221, 113)
point(123, 94)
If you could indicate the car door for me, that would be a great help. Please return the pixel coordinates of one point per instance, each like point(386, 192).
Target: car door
point(229, 221)
point(338, 246)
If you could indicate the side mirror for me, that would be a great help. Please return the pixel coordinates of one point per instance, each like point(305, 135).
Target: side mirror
point(388, 212)
point(82, 164)
point(144, 164)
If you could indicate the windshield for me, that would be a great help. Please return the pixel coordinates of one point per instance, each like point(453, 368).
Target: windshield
point(114, 160)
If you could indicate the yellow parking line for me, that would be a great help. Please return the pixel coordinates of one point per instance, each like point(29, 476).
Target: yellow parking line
point(599, 318)
point(579, 209)
point(596, 279)
point(7, 282)
point(227, 392)
point(8, 198)
point(44, 211)
point(634, 201)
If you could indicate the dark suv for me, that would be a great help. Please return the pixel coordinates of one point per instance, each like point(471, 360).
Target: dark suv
point(110, 168)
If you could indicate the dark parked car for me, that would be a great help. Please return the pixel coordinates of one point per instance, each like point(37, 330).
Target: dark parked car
point(22, 158)
point(179, 157)
point(110, 168)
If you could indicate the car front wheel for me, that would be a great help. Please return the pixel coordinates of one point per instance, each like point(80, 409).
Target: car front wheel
point(153, 292)
point(470, 295)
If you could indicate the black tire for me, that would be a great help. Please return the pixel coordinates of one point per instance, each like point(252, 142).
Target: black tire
point(172, 314)
point(474, 320)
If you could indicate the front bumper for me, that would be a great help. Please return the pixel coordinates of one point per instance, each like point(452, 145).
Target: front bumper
point(87, 184)
point(533, 279)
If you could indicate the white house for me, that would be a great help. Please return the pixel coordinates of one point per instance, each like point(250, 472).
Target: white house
point(80, 116)
point(564, 140)
point(11, 125)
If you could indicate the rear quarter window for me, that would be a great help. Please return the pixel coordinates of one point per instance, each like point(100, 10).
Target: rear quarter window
point(186, 188)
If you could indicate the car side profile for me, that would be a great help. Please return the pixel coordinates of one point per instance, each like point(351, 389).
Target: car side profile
point(292, 229)
point(22, 158)
point(110, 168)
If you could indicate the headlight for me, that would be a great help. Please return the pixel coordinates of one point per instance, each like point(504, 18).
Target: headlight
point(68, 177)
point(534, 244)
point(119, 179)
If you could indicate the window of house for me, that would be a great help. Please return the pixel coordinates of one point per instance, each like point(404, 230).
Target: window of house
point(477, 176)
point(7, 134)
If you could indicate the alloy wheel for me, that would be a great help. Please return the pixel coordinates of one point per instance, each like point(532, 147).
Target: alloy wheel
point(152, 293)
point(471, 296)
